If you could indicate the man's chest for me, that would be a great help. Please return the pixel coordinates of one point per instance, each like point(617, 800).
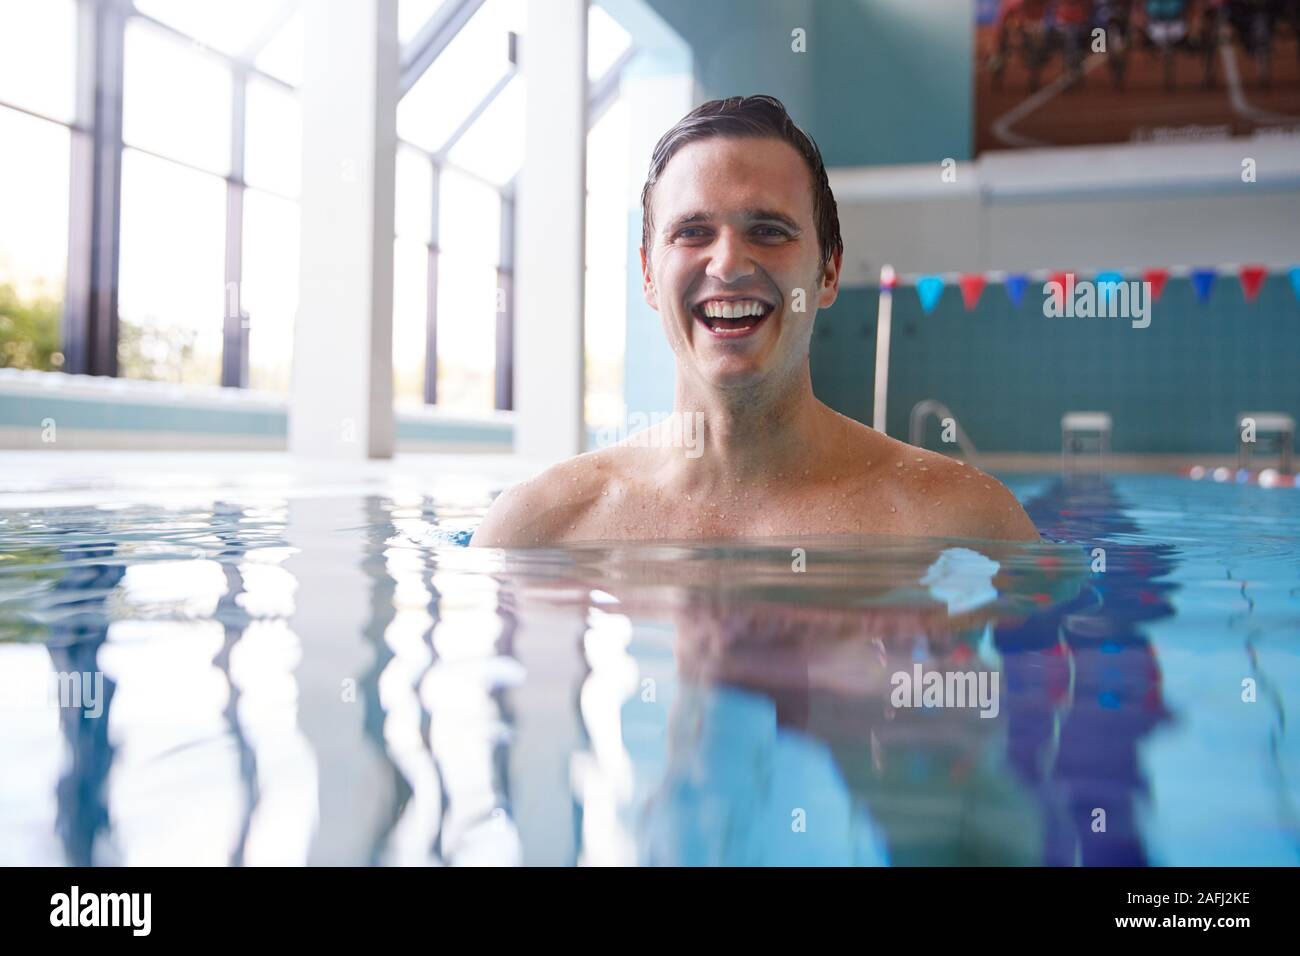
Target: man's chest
point(820, 510)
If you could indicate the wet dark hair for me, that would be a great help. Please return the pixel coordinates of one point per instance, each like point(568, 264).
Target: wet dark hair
point(756, 116)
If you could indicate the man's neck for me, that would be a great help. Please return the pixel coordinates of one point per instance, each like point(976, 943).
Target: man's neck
point(753, 436)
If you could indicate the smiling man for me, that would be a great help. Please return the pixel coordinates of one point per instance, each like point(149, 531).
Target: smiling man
point(740, 249)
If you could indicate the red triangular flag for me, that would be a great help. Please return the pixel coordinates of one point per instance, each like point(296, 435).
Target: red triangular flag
point(972, 286)
point(1157, 278)
point(1252, 278)
point(1065, 283)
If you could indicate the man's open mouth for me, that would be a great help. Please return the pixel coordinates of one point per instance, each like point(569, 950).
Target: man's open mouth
point(731, 318)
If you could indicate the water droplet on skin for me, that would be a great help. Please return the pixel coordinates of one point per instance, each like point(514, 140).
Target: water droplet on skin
point(923, 468)
point(893, 510)
point(898, 464)
point(606, 493)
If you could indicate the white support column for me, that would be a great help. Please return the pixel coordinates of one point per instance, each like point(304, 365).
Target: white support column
point(551, 210)
point(341, 405)
point(659, 89)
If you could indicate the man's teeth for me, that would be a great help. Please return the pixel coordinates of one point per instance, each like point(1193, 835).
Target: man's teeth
point(738, 309)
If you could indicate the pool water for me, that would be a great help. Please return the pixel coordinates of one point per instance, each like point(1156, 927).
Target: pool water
point(271, 679)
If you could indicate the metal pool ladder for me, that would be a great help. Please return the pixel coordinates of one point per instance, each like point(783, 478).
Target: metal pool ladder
point(921, 412)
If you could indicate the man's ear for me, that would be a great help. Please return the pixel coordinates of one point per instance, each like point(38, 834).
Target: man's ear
point(830, 287)
point(648, 283)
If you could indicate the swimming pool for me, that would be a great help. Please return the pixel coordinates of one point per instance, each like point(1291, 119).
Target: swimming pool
point(264, 678)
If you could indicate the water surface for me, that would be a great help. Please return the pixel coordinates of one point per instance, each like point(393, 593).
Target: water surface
point(271, 679)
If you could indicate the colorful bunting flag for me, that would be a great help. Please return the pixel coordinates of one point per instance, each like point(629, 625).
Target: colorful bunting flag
point(1062, 279)
point(929, 289)
point(1203, 283)
point(1064, 283)
point(1015, 284)
point(1157, 278)
point(1107, 284)
point(1252, 279)
point(972, 287)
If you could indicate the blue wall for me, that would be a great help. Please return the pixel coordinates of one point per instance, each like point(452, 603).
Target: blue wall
point(1009, 374)
point(740, 47)
point(894, 80)
point(882, 81)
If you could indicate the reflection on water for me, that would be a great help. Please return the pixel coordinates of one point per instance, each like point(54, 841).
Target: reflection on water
point(338, 681)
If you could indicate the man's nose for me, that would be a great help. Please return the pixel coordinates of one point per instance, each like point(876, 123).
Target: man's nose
point(729, 258)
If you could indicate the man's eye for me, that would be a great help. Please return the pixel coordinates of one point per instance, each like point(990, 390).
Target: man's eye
point(771, 232)
point(690, 232)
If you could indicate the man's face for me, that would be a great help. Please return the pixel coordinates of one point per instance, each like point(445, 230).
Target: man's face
point(734, 267)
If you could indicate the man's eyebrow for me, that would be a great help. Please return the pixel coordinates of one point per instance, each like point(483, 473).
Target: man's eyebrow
point(688, 219)
point(763, 215)
point(771, 215)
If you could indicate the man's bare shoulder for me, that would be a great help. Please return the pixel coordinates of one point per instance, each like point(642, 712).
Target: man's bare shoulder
point(544, 508)
point(943, 496)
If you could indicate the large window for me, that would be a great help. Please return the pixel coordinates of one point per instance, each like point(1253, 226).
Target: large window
point(205, 215)
point(38, 42)
point(269, 276)
point(206, 233)
point(270, 287)
point(176, 99)
point(283, 53)
point(172, 287)
point(33, 239)
point(462, 76)
point(230, 27)
point(38, 51)
point(209, 234)
point(461, 123)
point(411, 263)
point(273, 133)
point(470, 219)
point(176, 119)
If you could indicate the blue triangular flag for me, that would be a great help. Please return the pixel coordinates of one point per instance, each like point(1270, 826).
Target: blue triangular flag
point(1295, 280)
point(929, 289)
point(1015, 284)
point(1203, 283)
point(1107, 283)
